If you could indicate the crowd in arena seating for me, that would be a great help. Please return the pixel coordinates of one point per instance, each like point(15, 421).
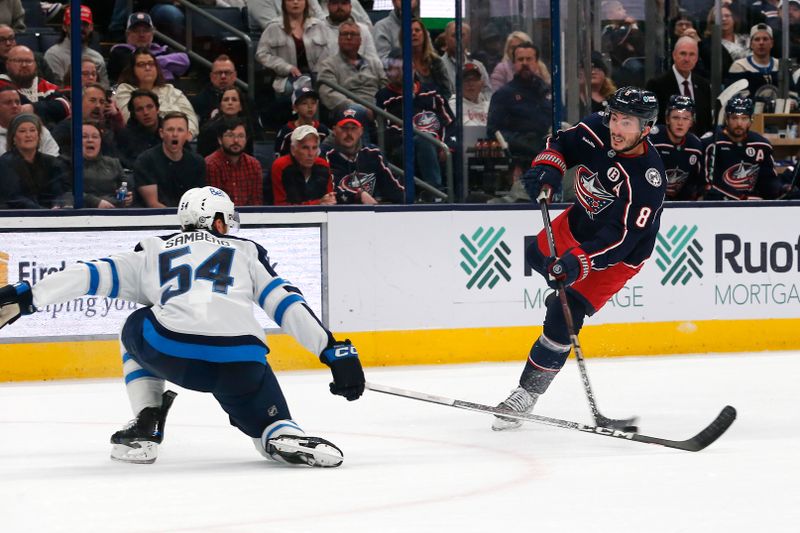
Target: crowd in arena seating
point(145, 126)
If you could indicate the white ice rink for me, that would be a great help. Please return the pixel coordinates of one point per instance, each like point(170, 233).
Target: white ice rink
point(417, 467)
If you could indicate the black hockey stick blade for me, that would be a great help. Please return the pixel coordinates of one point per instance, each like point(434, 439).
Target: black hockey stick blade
point(700, 441)
point(625, 424)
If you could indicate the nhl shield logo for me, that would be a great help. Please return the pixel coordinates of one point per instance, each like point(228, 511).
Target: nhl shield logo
point(653, 177)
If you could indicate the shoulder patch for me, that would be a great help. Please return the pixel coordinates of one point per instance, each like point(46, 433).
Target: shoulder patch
point(653, 177)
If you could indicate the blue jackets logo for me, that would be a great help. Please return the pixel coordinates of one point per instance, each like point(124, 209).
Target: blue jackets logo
point(485, 257)
point(678, 255)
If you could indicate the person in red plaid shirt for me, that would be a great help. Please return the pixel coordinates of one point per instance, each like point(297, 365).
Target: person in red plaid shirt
point(229, 168)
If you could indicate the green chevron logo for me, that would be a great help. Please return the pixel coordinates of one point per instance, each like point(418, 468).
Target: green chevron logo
point(486, 257)
point(679, 255)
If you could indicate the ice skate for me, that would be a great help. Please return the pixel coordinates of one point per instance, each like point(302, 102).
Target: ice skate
point(302, 450)
point(520, 401)
point(138, 441)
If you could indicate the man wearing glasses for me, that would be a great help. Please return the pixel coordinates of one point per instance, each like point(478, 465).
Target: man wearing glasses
point(8, 40)
point(38, 95)
point(229, 168)
point(340, 11)
point(223, 77)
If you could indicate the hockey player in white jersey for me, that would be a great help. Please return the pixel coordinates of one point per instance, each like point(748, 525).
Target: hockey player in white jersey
point(197, 330)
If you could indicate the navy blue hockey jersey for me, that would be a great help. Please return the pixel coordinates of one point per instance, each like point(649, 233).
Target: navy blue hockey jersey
point(683, 162)
point(366, 171)
point(617, 211)
point(743, 170)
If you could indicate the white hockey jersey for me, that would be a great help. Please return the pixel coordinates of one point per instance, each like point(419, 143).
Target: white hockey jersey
point(201, 287)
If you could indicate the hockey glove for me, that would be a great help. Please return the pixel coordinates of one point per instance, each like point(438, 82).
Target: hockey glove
point(542, 179)
point(348, 376)
point(15, 300)
point(573, 266)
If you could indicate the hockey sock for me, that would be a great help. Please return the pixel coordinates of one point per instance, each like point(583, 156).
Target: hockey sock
point(544, 362)
point(144, 389)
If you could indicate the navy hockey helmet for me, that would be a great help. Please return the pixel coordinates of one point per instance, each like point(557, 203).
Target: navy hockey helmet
point(635, 102)
point(681, 103)
point(739, 106)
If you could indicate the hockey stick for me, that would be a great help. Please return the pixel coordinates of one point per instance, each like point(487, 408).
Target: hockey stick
point(626, 424)
point(708, 435)
point(732, 90)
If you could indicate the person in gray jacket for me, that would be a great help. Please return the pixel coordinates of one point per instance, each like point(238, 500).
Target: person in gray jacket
point(11, 13)
point(262, 12)
point(387, 30)
point(340, 11)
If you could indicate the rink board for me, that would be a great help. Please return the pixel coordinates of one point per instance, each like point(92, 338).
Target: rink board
point(435, 285)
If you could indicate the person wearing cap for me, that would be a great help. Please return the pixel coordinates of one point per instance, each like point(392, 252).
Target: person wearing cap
point(475, 102)
point(758, 68)
point(359, 74)
point(231, 169)
point(302, 177)
point(682, 79)
point(452, 64)
point(340, 11)
point(59, 56)
point(163, 173)
point(305, 102)
point(360, 173)
point(11, 107)
point(139, 34)
point(36, 180)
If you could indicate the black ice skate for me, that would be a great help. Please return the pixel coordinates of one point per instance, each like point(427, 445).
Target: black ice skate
point(302, 450)
point(138, 441)
point(520, 401)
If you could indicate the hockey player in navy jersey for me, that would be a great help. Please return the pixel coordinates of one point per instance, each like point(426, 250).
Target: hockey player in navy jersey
point(197, 330)
point(681, 150)
point(739, 164)
point(604, 237)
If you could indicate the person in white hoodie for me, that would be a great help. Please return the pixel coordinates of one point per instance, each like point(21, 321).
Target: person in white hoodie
point(475, 102)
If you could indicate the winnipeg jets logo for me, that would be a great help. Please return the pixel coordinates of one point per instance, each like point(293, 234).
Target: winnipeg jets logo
point(675, 180)
point(590, 192)
point(741, 177)
point(359, 180)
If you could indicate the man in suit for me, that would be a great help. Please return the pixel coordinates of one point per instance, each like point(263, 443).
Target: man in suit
point(681, 80)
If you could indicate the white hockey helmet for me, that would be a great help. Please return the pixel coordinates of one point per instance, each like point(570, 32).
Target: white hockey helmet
point(199, 206)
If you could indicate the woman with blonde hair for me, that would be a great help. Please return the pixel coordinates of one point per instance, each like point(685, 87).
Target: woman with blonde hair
point(504, 71)
point(428, 66)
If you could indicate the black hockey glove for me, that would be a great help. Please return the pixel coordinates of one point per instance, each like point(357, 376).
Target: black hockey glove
point(542, 178)
point(573, 266)
point(15, 300)
point(348, 376)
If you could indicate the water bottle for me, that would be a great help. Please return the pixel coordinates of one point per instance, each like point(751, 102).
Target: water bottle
point(122, 192)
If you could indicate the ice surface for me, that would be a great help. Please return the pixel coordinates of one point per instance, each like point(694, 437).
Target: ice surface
point(417, 467)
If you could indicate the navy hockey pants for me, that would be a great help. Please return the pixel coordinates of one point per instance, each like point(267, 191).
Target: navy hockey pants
point(248, 391)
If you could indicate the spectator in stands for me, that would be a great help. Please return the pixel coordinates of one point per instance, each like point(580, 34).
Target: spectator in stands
point(359, 74)
point(163, 173)
point(431, 115)
point(360, 174)
point(168, 16)
point(475, 102)
point(794, 29)
point(302, 177)
point(229, 168)
point(305, 102)
point(141, 131)
point(8, 40)
point(12, 14)
point(222, 77)
point(10, 108)
point(622, 39)
point(504, 71)
point(387, 30)
point(232, 105)
point(93, 107)
point(452, 63)
point(39, 96)
point(58, 56)
point(602, 85)
point(428, 66)
point(734, 45)
point(139, 34)
point(143, 72)
point(262, 12)
point(758, 68)
point(36, 180)
point(682, 25)
point(682, 79)
point(102, 175)
point(766, 11)
point(521, 109)
point(292, 46)
point(340, 12)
